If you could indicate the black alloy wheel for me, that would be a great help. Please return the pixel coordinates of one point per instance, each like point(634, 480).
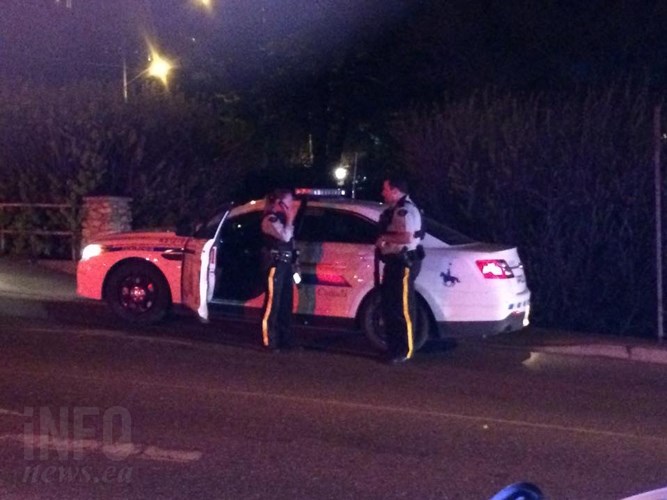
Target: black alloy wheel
point(372, 323)
point(138, 293)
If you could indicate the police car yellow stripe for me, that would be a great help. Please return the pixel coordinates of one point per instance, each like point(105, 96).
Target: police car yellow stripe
point(406, 311)
point(269, 303)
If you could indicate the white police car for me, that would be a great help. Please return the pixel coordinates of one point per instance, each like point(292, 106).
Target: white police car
point(464, 288)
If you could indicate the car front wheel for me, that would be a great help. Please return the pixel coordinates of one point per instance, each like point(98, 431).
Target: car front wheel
point(372, 324)
point(138, 293)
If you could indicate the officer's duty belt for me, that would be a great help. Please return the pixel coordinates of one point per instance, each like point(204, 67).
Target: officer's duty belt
point(286, 256)
point(406, 257)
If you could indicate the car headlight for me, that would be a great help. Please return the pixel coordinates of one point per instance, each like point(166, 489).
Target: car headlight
point(90, 251)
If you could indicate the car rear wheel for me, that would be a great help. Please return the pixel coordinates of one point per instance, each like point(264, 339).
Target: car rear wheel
point(372, 323)
point(138, 293)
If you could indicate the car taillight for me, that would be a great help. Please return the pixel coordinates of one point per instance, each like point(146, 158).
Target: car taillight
point(494, 269)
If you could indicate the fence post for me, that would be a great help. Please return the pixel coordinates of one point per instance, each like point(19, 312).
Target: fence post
point(657, 146)
point(103, 215)
point(75, 232)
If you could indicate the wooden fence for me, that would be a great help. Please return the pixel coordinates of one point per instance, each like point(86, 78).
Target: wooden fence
point(65, 231)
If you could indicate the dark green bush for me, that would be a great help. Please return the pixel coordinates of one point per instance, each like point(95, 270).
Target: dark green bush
point(567, 178)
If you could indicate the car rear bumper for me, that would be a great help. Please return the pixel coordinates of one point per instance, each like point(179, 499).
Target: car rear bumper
point(459, 329)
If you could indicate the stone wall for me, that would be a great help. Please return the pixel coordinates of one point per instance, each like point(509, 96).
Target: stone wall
point(104, 214)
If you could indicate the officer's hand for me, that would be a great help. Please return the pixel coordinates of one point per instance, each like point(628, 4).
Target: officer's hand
point(291, 213)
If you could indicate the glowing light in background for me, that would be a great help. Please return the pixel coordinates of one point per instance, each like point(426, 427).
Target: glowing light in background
point(340, 173)
point(159, 67)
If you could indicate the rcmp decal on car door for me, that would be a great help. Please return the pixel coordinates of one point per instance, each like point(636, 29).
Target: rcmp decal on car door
point(324, 288)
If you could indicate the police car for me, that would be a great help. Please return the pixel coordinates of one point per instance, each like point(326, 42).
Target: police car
point(465, 287)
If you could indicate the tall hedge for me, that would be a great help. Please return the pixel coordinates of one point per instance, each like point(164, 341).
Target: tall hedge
point(566, 178)
point(175, 156)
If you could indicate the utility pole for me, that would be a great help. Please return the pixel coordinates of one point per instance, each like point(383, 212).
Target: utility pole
point(657, 146)
point(124, 72)
point(354, 175)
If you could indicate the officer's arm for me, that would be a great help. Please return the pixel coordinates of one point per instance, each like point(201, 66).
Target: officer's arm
point(272, 226)
point(397, 238)
point(403, 228)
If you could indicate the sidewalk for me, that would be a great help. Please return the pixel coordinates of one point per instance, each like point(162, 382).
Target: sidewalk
point(55, 281)
point(584, 344)
point(22, 279)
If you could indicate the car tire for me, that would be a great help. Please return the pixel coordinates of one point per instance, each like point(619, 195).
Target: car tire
point(373, 325)
point(138, 293)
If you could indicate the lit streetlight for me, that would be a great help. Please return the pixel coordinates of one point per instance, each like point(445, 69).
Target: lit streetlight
point(344, 172)
point(340, 173)
point(207, 4)
point(159, 68)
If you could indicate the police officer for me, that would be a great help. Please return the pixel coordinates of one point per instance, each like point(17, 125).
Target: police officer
point(398, 247)
point(279, 256)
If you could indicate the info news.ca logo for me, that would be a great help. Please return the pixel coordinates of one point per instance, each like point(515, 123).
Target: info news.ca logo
point(68, 435)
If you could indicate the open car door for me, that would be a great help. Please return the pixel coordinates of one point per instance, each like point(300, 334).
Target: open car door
point(199, 258)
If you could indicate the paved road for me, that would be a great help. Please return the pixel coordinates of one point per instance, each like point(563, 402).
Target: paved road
point(182, 411)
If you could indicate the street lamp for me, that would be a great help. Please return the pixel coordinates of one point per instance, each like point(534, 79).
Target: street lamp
point(340, 173)
point(159, 68)
point(207, 4)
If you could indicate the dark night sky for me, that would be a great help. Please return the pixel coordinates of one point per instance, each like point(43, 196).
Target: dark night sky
point(522, 43)
point(52, 41)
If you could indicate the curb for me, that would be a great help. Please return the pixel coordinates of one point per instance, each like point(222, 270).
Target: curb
point(649, 355)
point(644, 354)
point(64, 266)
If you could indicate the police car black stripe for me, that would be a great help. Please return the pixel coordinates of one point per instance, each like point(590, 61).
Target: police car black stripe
point(142, 248)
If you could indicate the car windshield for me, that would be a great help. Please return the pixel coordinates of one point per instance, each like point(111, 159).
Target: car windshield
point(445, 233)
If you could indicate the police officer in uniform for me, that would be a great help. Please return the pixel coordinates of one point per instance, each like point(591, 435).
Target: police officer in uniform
point(398, 247)
point(279, 257)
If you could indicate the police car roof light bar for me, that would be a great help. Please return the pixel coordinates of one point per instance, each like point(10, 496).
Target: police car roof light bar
point(319, 192)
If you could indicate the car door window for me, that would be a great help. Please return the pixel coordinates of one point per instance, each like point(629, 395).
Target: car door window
point(239, 271)
point(208, 229)
point(335, 226)
point(241, 227)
